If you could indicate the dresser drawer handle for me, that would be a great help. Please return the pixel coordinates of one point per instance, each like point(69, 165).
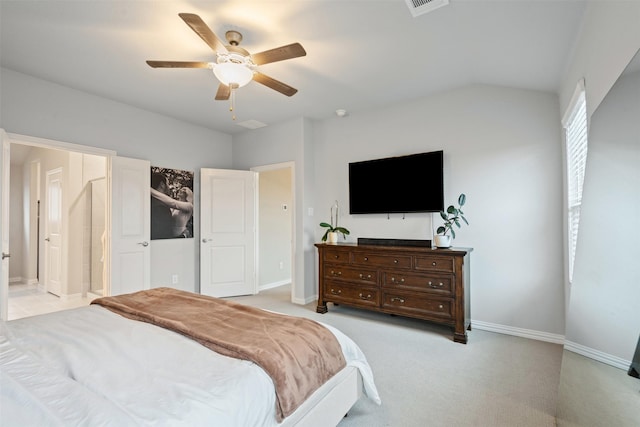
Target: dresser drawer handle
point(395, 261)
point(441, 306)
point(334, 292)
point(336, 273)
point(439, 285)
point(433, 263)
point(336, 256)
point(365, 297)
point(395, 299)
point(366, 258)
point(362, 276)
point(393, 279)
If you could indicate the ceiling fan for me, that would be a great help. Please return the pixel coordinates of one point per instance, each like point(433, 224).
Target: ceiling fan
point(234, 66)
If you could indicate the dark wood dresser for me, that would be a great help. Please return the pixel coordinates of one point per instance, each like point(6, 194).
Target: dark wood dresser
point(420, 282)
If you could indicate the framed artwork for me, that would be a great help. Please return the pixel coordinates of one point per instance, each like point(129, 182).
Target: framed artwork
point(171, 203)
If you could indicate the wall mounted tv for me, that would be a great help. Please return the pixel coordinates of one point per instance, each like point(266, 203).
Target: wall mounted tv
point(404, 184)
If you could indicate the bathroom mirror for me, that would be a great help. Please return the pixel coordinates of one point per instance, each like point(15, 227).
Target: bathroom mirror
point(603, 316)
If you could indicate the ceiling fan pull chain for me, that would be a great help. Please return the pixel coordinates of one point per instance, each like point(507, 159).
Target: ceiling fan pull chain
point(232, 99)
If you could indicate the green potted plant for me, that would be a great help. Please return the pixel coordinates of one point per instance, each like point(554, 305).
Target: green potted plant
point(332, 230)
point(451, 218)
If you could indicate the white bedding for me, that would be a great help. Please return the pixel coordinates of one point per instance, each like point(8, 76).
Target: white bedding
point(92, 367)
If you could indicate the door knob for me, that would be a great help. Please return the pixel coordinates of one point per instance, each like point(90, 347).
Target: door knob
point(206, 240)
point(145, 244)
point(47, 239)
point(4, 255)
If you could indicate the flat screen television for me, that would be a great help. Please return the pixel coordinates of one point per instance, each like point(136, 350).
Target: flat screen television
point(403, 184)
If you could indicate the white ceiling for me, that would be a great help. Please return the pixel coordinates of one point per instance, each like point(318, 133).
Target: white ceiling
point(360, 54)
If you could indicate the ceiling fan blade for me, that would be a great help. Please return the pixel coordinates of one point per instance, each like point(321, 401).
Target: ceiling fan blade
point(205, 33)
point(178, 64)
point(274, 84)
point(281, 53)
point(223, 92)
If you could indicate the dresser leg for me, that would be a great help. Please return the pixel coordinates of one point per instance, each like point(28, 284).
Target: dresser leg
point(461, 338)
point(321, 308)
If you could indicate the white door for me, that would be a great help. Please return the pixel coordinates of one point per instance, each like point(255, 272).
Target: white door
point(4, 221)
point(130, 260)
point(228, 232)
point(54, 228)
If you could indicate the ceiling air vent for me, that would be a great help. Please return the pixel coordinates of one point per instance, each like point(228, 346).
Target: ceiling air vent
point(251, 124)
point(419, 7)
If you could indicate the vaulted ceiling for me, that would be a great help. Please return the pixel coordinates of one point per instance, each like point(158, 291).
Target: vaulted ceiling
point(360, 54)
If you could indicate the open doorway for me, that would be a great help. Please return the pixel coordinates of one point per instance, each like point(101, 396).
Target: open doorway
point(74, 265)
point(276, 208)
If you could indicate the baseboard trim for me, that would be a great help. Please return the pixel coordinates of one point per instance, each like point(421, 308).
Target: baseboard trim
point(68, 297)
point(305, 301)
point(274, 284)
point(23, 280)
point(597, 355)
point(518, 332)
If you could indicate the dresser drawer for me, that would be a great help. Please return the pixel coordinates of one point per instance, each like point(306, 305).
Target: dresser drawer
point(385, 261)
point(417, 282)
point(357, 276)
point(338, 292)
point(335, 256)
point(413, 305)
point(434, 263)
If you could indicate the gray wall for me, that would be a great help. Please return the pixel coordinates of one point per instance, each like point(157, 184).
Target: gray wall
point(275, 227)
point(502, 148)
point(609, 38)
point(605, 293)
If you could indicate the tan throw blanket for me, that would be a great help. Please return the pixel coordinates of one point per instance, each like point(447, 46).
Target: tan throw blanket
point(299, 354)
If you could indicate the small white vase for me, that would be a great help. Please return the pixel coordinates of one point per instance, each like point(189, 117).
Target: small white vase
point(332, 237)
point(442, 241)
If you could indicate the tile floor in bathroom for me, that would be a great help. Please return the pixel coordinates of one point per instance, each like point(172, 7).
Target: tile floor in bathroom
point(29, 300)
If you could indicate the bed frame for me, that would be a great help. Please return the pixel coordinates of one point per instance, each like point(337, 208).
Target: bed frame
point(330, 403)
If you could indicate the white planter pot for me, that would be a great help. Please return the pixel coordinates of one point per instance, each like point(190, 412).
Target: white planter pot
point(442, 241)
point(332, 237)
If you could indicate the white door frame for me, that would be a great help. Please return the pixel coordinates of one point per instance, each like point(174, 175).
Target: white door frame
point(278, 166)
point(12, 138)
point(5, 160)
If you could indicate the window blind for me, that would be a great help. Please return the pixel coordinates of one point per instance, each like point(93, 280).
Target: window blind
point(576, 157)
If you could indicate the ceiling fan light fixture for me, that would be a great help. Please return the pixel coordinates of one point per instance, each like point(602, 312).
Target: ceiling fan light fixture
point(230, 72)
point(235, 66)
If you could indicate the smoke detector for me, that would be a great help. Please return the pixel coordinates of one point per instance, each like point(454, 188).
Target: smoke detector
point(420, 7)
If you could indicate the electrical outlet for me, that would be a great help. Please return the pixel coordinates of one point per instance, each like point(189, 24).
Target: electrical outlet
point(174, 279)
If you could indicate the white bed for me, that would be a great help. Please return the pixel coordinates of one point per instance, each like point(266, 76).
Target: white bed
point(90, 366)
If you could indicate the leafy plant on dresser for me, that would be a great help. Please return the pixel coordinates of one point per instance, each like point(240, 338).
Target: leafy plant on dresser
point(451, 217)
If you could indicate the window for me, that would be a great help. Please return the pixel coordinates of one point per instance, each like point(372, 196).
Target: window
point(575, 125)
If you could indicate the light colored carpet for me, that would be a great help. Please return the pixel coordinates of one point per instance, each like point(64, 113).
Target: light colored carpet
point(425, 379)
point(596, 395)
